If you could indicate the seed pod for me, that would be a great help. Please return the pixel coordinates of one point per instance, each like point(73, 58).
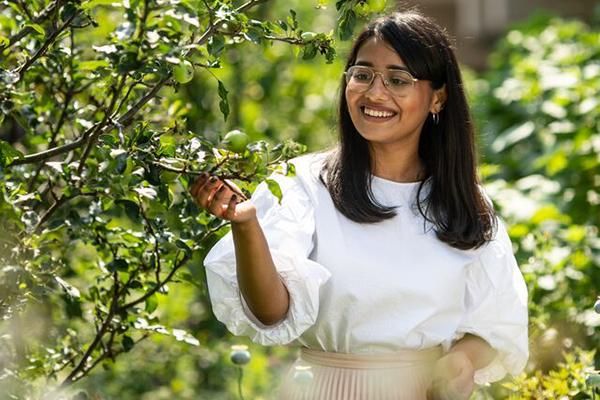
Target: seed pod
point(239, 355)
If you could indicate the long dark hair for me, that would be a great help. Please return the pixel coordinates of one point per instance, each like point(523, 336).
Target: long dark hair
point(454, 203)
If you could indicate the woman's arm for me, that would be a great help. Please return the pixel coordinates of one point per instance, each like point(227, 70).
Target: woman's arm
point(258, 280)
point(263, 290)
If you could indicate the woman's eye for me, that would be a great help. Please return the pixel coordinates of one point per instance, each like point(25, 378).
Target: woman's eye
point(361, 76)
point(398, 81)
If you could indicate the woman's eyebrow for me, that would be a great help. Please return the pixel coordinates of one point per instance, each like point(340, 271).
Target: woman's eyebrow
point(390, 66)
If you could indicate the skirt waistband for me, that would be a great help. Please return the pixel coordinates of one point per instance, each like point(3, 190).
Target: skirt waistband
point(398, 359)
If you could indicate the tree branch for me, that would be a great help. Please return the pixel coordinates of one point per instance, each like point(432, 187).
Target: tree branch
point(57, 203)
point(124, 120)
point(159, 285)
point(224, 178)
point(213, 25)
point(109, 110)
point(72, 377)
point(42, 50)
point(111, 354)
point(27, 30)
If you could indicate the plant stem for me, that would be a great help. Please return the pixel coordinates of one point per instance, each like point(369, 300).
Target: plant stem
point(240, 377)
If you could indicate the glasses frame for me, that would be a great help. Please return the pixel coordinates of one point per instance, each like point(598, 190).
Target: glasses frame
point(386, 82)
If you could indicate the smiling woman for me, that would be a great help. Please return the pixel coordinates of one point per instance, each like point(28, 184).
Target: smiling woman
point(384, 260)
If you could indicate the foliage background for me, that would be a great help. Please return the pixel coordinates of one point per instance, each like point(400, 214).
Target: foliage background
point(537, 110)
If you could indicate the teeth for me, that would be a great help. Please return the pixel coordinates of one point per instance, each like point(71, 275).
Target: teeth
point(378, 114)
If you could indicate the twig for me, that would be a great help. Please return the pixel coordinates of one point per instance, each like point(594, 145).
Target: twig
point(153, 234)
point(159, 284)
point(22, 69)
point(72, 377)
point(109, 110)
point(198, 173)
point(213, 25)
point(112, 354)
point(57, 203)
point(41, 17)
point(289, 40)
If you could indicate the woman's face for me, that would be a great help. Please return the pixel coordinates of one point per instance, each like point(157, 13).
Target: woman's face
point(381, 117)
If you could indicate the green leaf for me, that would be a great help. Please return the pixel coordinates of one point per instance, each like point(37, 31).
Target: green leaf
point(182, 245)
point(132, 210)
point(216, 44)
point(70, 290)
point(88, 5)
point(93, 65)
point(38, 28)
point(310, 51)
point(292, 20)
point(183, 336)
point(127, 343)
point(147, 192)
point(8, 153)
point(513, 135)
point(224, 103)
point(151, 304)
point(117, 264)
point(346, 25)
point(275, 189)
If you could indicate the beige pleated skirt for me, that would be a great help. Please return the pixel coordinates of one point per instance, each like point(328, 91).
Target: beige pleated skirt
point(318, 375)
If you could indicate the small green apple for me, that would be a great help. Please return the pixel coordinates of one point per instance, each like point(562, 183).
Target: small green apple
point(236, 141)
point(308, 36)
point(183, 72)
point(376, 5)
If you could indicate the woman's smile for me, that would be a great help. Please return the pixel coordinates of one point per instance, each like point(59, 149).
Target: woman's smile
point(377, 114)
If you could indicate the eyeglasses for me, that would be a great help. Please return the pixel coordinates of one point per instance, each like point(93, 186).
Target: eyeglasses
point(359, 79)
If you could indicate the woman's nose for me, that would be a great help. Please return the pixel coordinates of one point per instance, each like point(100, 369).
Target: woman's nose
point(378, 87)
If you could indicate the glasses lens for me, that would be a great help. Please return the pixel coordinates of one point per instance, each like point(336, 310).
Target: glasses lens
point(359, 78)
point(399, 82)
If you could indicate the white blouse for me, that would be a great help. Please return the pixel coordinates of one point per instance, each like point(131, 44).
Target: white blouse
point(374, 288)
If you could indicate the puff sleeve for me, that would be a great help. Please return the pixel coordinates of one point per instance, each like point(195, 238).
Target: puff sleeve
point(496, 308)
point(289, 229)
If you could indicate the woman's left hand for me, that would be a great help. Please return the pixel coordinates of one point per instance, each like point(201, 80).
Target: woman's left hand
point(453, 378)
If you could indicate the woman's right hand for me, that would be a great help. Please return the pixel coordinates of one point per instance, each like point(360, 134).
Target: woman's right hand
point(222, 199)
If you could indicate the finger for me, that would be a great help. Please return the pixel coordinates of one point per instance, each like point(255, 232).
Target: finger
point(219, 198)
point(234, 188)
point(198, 183)
point(230, 211)
point(205, 193)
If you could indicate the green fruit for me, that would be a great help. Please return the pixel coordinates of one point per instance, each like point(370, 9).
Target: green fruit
point(308, 36)
point(183, 72)
point(236, 141)
point(376, 5)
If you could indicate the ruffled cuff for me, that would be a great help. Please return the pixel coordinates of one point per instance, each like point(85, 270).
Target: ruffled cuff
point(303, 279)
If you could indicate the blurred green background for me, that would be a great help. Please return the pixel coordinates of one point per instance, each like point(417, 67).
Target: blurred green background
point(537, 111)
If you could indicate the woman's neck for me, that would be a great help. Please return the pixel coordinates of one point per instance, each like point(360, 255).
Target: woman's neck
point(398, 166)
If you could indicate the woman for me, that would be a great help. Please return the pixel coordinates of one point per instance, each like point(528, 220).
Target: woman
point(384, 260)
